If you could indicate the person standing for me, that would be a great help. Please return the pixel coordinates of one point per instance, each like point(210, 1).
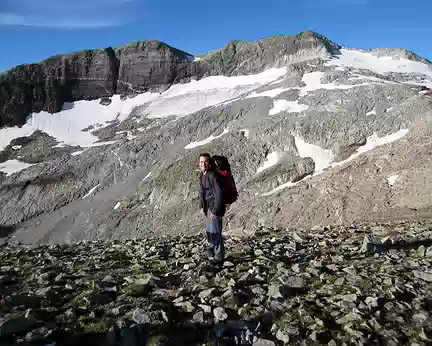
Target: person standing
point(212, 208)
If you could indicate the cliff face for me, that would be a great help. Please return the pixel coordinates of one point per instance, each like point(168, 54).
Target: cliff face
point(46, 86)
point(148, 65)
point(139, 67)
point(83, 76)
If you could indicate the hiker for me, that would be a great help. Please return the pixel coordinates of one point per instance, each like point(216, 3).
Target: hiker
point(212, 207)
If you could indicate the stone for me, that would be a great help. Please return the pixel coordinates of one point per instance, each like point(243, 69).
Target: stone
point(206, 308)
point(349, 298)
point(187, 306)
point(371, 302)
point(263, 342)
point(206, 293)
point(140, 316)
point(198, 317)
point(292, 281)
point(274, 292)
point(43, 292)
point(258, 252)
point(369, 243)
point(282, 336)
point(425, 276)
point(220, 314)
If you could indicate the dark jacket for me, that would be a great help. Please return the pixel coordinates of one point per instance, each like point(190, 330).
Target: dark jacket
point(210, 193)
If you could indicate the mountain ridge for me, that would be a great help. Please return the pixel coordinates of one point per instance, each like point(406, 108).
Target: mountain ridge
point(139, 67)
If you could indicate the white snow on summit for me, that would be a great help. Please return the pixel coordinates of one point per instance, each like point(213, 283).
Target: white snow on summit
point(381, 65)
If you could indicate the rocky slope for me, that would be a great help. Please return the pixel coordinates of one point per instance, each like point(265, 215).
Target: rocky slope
point(317, 134)
point(364, 284)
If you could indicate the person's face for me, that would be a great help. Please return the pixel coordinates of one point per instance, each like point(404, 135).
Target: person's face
point(204, 163)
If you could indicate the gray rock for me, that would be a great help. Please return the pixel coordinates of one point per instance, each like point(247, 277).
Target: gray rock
point(140, 316)
point(206, 293)
point(207, 309)
point(282, 336)
point(220, 314)
point(198, 317)
point(369, 243)
point(263, 342)
point(426, 276)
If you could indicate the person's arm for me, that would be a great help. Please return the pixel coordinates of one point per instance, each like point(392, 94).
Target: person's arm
point(217, 193)
point(203, 205)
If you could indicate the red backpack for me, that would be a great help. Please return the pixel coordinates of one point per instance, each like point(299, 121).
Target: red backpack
point(226, 179)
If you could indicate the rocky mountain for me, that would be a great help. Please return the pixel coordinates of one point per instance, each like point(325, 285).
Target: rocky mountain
point(317, 134)
point(135, 68)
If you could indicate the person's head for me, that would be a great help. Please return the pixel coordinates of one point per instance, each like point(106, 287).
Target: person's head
point(204, 162)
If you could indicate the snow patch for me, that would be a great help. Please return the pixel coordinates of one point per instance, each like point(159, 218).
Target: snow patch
point(16, 147)
point(91, 191)
point(75, 153)
point(384, 64)
point(373, 142)
point(205, 141)
point(280, 187)
point(271, 160)
point(372, 112)
point(313, 82)
point(147, 176)
point(322, 157)
point(269, 93)
point(289, 106)
point(13, 166)
point(183, 99)
point(392, 179)
point(117, 205)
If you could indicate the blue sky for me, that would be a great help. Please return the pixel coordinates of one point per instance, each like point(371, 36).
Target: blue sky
point(31, 30)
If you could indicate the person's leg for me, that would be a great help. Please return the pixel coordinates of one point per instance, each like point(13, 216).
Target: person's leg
point(219, 249)
point(209, 245)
